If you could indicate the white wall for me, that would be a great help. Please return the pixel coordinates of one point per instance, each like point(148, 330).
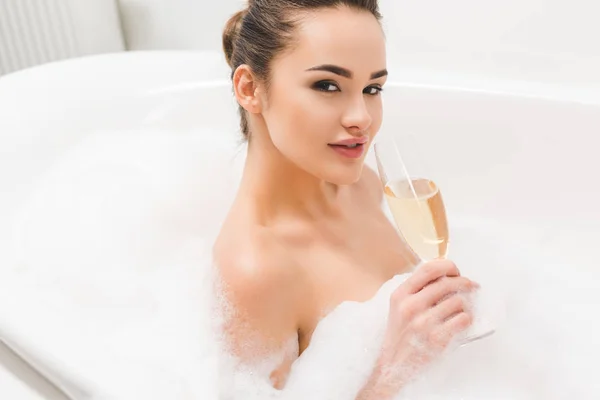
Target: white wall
point(543, 40)
point(175, 24)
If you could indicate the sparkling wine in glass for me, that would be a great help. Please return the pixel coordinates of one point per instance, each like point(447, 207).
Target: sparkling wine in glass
point(417, 207)
point(418, 210)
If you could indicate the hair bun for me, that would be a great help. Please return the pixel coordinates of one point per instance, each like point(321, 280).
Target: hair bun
point(230, 33)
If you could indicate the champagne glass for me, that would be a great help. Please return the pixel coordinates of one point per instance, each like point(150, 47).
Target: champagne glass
point(416, 204)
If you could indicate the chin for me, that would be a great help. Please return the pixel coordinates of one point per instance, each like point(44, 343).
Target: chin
point(344, 176)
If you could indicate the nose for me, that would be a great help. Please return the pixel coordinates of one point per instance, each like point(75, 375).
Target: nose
point(357, 115)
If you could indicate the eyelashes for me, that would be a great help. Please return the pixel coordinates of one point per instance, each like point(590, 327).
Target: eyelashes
point(331, 87)
point(373, 90)
point(326, 86)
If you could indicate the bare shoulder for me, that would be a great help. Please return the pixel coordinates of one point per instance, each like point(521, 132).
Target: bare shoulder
point(254, 259)
point(259, 285)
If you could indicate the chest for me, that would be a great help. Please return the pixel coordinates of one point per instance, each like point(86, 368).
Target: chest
point(348, 262)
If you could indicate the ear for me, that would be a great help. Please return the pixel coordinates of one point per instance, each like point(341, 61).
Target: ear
point(247, 90)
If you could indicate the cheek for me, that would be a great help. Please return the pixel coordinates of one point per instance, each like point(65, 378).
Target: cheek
point(303, 118)
point(376, 112)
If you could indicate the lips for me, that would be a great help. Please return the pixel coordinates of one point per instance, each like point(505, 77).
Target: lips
point(353, 150)
point(349, 146)
point(351, 142)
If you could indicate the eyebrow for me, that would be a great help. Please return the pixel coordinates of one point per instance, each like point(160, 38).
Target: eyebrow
point(345, 72)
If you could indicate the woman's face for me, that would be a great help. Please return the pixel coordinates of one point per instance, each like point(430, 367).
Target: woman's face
point(324, 105)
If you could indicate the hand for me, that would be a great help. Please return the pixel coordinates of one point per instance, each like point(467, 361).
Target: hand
point(426, 313)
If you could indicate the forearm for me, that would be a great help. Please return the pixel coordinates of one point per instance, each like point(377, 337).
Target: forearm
point(381, 385)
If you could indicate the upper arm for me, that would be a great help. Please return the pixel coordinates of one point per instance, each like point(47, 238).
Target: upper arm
point(261, 319)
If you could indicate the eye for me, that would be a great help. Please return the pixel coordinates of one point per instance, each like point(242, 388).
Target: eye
point(373, 90)
point(326, 86)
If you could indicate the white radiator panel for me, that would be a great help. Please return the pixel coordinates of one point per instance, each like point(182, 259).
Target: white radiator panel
point(34, 32)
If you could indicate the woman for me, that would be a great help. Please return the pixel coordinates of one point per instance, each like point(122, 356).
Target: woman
point(306, 230)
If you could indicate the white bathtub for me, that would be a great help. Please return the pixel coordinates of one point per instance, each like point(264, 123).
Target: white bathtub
point(512, 156)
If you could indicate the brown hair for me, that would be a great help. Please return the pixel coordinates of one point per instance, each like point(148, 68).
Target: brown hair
point(254, 36)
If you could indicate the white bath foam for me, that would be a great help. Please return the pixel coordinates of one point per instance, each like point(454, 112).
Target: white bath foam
point(541, 348)
point(142, 187)
point(108, 270)
point(544, 346)
point(129, 317)
point(132, 336)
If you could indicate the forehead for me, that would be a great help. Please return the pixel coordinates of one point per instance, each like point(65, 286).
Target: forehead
point(342, 36)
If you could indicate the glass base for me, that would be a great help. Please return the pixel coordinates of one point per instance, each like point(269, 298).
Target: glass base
point(475, 337)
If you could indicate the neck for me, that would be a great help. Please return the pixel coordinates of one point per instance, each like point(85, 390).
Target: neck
point(279, 187)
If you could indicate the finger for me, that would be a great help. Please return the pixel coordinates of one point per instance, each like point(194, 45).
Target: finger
point(445, 287)
point(458, 323)
point(450, 307)
point(443, 334)
point(430, 272)
point(432, 295)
